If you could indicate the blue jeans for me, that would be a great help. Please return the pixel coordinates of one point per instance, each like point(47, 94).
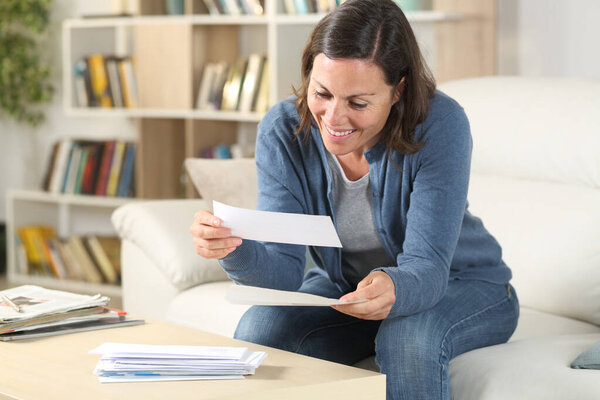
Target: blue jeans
point(414, 351)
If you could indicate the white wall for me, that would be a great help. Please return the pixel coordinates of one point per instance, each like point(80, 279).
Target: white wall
point(24, 151)
point(549, 38)
point(536, 37)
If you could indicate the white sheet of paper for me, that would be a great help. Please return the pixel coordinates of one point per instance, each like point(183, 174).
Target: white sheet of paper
point(267, 226)
point(257, 296)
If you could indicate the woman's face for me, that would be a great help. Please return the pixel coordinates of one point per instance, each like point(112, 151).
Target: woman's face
point(350, 101)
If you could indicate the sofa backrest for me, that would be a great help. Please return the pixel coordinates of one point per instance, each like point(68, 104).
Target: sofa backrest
point(536, 184)
point(229, 181)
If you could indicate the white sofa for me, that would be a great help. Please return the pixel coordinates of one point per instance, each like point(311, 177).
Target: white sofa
point(535, 183)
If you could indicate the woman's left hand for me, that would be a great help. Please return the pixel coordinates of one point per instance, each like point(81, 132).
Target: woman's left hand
point(379, 291)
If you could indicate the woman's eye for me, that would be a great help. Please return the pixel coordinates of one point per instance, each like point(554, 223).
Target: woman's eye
point(322, 95)
point(358, 105)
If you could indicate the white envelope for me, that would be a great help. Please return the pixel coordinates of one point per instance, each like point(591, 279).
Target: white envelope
point(257, 296)
point(278, 227)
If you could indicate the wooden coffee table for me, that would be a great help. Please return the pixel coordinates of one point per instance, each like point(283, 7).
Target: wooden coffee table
point(60, 367)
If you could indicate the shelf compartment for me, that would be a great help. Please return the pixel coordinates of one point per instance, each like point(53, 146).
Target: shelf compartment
point(68, 215)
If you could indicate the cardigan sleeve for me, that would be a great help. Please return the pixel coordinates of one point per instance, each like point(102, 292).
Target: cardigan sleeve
point(438, 199)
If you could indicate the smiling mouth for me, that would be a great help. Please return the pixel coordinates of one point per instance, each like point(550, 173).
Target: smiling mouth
point(339, 133)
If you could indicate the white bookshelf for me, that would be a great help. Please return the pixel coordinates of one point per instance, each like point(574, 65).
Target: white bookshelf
point(285, 36)
point(68, 215)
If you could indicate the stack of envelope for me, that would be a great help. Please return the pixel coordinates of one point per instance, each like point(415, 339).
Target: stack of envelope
point(123, 362)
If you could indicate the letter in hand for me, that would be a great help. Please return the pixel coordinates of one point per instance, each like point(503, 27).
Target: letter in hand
point(380, 292)
point(211, 240)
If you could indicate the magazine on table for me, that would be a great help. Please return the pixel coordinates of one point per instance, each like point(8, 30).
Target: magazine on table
point(31, 311)
point(81, 325)
point(34, 301)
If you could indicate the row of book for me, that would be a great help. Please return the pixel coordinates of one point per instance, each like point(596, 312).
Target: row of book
point(30, 312)
point(225, 151)
point(93, 259)
point(92, 167)
point(235, 7)
point(105, 80)
point(243, 86)
point(301, 7)
point(257, 7)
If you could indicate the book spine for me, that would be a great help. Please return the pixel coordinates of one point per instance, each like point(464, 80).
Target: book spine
point(34, 240)
point(84, 261)
point(251, 82)
point(69, 184)
point(102, 260)
point(51, 165)
point(112, 247)
point(262, 100)
point(56, 260)
point(83, 84)
point(79, 176)
point(128, 83)
point(59, 169)
point(99, 80)
point(73, 271)
point(104, 172)
point(125, 180)
point(90, 173)
point(115, 168)
point(112, 69)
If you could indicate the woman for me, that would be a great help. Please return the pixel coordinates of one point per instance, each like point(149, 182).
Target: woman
point(369, 141)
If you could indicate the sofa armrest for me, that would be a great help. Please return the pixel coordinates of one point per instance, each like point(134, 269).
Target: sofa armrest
point(145, 289)
point(160, 228)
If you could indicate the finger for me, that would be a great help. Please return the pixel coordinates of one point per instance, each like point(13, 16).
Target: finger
point(205, 217)
point(376, 309)
point(366, 292)
point(209, 232)
point(217, 244)
point(214, 254)
point(374, 284)
point(365, 282)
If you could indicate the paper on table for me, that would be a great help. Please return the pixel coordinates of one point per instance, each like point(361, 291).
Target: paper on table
point(312, 230)
point(257, 296)
point(169, 351)
point(124, 362)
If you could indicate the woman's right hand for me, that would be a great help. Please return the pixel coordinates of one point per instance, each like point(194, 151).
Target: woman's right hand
point(210, 239)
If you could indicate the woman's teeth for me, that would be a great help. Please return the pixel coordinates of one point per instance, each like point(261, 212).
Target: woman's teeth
point(340, 133)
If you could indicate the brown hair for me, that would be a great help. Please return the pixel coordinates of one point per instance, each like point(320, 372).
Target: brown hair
point(375, 31)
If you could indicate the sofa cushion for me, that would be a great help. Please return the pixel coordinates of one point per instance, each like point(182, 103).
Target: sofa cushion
point(232, 181)
point(204, 307)
point(534, 323)
point(533, 128)
point(144, 224)
point(526, 369)
point(547, 232)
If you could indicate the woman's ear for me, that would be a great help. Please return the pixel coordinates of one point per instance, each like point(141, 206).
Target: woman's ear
point(398, 91)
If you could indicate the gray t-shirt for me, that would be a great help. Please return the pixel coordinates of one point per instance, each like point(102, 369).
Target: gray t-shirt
point(362, 250)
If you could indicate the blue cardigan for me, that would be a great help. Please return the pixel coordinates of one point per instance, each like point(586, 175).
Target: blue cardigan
point(419, 207)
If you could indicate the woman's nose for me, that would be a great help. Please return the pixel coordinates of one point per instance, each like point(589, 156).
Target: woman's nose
point(335, 112)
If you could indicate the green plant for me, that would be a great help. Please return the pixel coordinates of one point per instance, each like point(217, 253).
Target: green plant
point(23, 75)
